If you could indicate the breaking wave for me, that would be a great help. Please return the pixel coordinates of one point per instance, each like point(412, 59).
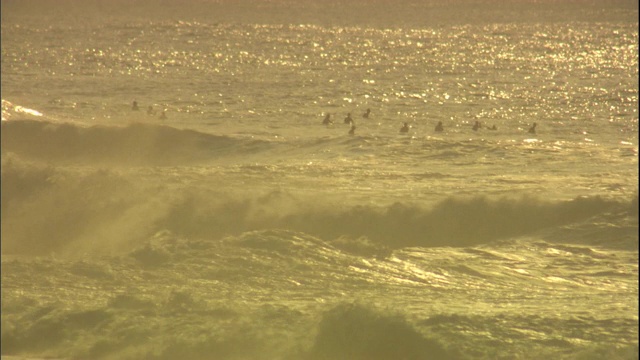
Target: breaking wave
point(60, 210)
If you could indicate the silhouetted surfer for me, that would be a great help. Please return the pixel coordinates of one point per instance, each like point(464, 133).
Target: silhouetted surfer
point(404, 128)
point(353, 129)
point(532, 129)
point(150, 110)
point(163, 115)
point(327, 120)
point(135, 105)
point(348, 119)
point(366, 114)
point(439, 127)
point(476, 126)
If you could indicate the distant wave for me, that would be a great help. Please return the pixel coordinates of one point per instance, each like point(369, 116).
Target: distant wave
point(135, 144)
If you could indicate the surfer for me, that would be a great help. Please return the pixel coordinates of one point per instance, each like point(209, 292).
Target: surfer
point(404, 128)
point(150, 110)
point(353, 129)
point(348, 119)
point(476, 126)
point(135, 106)
point(439, 127)
point(366, 114)
point(532, 129)
point(327, 120)
point(163, 115)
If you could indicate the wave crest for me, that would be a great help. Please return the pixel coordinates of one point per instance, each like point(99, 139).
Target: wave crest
point(135, 144)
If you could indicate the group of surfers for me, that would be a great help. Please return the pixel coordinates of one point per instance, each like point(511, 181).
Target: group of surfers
point(349, 120)
point(150, 111)
point(405, 127)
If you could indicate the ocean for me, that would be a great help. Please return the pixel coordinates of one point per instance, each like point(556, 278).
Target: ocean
point(170, 189)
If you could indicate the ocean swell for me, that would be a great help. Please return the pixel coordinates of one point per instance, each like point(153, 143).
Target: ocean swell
point(134, 144)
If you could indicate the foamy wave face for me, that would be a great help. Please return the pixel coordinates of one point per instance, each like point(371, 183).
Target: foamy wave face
point(48, 210)
point(291, 296)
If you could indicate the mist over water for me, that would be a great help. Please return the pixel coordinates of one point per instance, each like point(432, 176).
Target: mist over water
point(240, 227)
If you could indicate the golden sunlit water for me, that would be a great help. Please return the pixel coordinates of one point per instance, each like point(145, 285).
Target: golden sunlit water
point(315, 180)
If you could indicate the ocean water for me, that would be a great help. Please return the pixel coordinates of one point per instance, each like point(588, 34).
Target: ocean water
point(241, 227)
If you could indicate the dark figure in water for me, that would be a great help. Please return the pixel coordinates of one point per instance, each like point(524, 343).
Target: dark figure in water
point(404, 128)
point(493, 128)
point(150, 110)
point(327, 120)
point(135, 105)
point(353, 129)
point(366, 115)
point(439, 127)
point(476, 126)
point(348, 119)
point(163, 115)
point(532, 129)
